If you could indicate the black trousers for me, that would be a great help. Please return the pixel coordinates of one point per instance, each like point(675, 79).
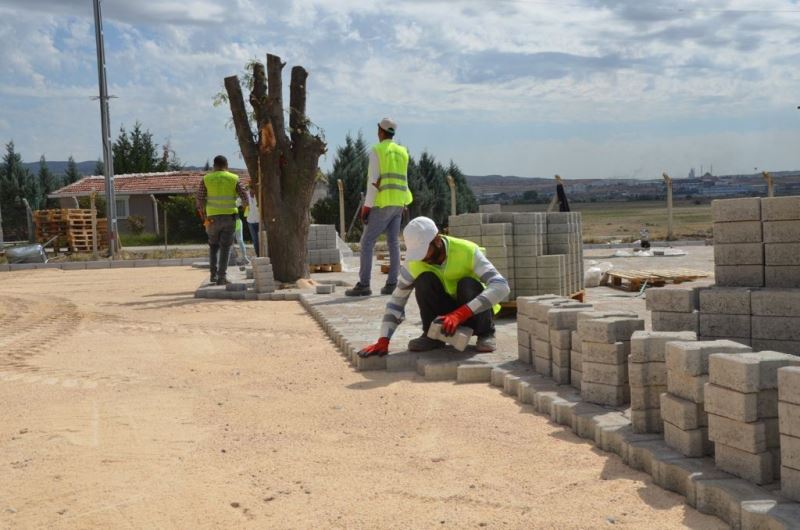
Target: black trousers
point(434, 301)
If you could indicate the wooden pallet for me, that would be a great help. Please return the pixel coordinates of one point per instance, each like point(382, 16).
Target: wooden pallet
point(679, 275)
point(631, 280)
point(325, 267)
point(384, 268)
point(510, 307)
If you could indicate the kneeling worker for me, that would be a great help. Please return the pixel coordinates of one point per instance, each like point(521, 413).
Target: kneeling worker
point(452, 280)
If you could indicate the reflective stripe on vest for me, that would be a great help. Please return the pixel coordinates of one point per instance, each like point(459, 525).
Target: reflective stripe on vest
point(393, 175)
point(221, 188)
point(460, 264)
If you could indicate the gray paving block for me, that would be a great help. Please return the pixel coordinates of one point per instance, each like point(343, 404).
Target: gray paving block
point(145, 263)
point(724, 498)
point(691, 357)
point(739, 254)
point(668, 321)
point(561, 339)
point(672, 299)
point(95, 265)
point(682, 413)
point(560, 357)
point(692, 442)
point(606, 374)
point(601, 394)
point(4, 267)
point(782, 231)
point(713, 325)
point(686, 386)
point(783, 346)
point(650, 346)
point(170, 262)
point(121, 264)
point(739, 275)
point(738, 232)
point(748, 372)
point(682, 475)
point(789, 414)
point(74, 266)
point(754, 437)
point(789, 384)
point(325, 289)
point(565, 316)
point(609, 330)
point(646, 420)
point(777, 514)
point(600, 352)
point(740, 406)
point(724, 301)
point(790, 483)
point(729, 210)
point(644, 455)
point(782, 254)
point(758, 468)
point(776, 302)
point(459, 340)
point(647, 374)
point(782, 276)
point(575, 378)
point(646, 397)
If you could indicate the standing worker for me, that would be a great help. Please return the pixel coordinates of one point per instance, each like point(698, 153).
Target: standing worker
point(453, 281)
point(253, 217)
point(216, 204)
point(386, 198)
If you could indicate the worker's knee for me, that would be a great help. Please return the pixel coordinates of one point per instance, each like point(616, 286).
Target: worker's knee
point(426, 281)
point(468, 288)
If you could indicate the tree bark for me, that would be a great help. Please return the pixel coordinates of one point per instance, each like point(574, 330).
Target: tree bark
point(289, 163)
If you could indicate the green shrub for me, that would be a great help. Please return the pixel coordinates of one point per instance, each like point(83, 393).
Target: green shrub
point(136, 224)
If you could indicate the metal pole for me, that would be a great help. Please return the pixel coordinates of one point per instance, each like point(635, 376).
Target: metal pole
point(668, 181)
point(770, 188)
point(452, 183)
point(342, 220)
point(155, 214)
point(93, 207)
point(166, 248)
point(105, 127)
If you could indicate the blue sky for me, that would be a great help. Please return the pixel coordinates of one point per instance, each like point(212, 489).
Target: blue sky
point(583, 88)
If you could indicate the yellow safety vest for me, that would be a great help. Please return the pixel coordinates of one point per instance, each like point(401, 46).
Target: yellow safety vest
point(460, 264)
point(221, 189)
point(393, 179)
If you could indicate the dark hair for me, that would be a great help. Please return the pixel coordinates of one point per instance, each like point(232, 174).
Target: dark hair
point(220, 162)
point(386, 133)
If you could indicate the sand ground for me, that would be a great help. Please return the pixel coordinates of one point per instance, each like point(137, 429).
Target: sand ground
point(126, 403)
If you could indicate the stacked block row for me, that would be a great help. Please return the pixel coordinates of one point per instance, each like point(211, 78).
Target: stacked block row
point(263, 276)
point(321, 247)
point(538, 253)
point(741, 400)
point(604, 350)
point(683, 404)
point(757, 242)
point(789, 427)
point(647, 374)
point(766, 319)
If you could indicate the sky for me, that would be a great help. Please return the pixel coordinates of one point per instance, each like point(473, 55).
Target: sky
point(582, 88)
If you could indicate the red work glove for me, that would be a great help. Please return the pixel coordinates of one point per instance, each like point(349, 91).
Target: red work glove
point(380, 348)
point(451, 321)
point(364, 215)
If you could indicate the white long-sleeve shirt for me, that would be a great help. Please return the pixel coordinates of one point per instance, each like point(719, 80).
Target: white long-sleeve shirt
point(495, 292)
point(252, 213)
point(373, 173)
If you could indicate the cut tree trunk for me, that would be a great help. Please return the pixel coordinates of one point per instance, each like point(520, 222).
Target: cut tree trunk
point(288, 163)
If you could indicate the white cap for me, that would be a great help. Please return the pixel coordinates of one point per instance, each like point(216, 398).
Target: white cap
point(388, 125)
point(418, 235)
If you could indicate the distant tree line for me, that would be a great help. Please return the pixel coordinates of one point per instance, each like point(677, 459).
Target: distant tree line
point(134, 152)
point(427, 179)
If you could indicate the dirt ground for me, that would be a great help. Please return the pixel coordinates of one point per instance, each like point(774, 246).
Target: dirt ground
point(126, 403)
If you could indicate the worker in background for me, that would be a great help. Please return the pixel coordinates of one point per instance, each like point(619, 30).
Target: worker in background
point(452, 280)
point(386, 198)
point(253, 217)
point(238, 238)
point(644, 237)
point(216, 204)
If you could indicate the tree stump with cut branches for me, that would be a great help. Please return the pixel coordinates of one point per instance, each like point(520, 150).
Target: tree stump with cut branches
point(282, 163)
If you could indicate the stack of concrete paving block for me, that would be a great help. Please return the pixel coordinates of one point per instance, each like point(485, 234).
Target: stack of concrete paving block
point(725, 313)
point(741, 400)
point(564, 237)
point(576, 353)
point(682, 406)
point(605, 350)
point(263, 277)
point(498, 244)
point(321, 246)
point(781, 218)
point(489, 208)
point(647, 373)
point(775, 320)
point(540, 331)
point(467, 226)
point(563, 322)
point(673, 309)
point(525, 329)
point(789, 426)
point(551, 274)
point(738, 242)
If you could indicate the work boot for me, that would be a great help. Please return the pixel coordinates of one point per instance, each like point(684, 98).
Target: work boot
point(213, 278)
point(486, 343)
point(358, 290)
point(388, 288)
point(424, 343)
point(222, 280)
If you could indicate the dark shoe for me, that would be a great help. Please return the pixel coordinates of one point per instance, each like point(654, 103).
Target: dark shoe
point(213, 279)
point(486, 344)
point(222, 281)
point(388, 288)
point(424, 343)
point(358, 290)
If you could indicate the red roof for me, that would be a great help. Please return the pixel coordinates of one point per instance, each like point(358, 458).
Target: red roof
point(170, 182)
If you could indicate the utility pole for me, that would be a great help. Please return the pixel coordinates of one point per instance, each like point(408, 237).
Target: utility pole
point(668, 182)
point(105, 127)
point(452, 183)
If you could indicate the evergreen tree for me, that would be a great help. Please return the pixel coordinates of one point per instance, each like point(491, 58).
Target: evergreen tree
point(435, 177)
point(71, 174)
point(121, 150)
point(207, 167)
point(423, 197)
point(136, 152)
point(16, 183)
point(47, 183)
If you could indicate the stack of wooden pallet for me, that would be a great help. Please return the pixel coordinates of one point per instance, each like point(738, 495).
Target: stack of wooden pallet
point(73, 227)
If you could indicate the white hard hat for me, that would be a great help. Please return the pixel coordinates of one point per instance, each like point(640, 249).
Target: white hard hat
point(388, 125)
point(418, 234)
